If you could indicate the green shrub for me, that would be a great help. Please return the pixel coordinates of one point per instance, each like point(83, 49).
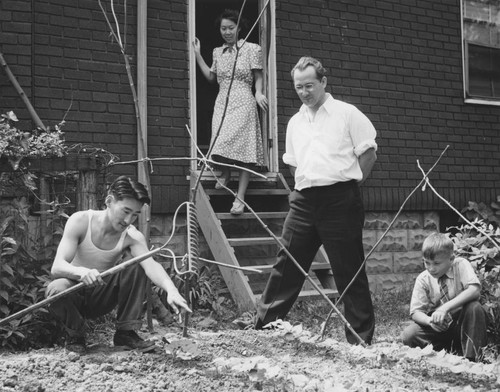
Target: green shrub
point(479, 243)
point(23, 279)
point(16, 144)
point(25, 261)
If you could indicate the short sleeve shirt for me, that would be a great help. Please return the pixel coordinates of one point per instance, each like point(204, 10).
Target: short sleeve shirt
point(426, 293)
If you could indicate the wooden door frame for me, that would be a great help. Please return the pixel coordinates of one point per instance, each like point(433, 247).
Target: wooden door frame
point(271, 145)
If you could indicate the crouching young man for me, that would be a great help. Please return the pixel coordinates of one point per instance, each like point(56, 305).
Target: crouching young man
point(94, 241)
point(444, 304)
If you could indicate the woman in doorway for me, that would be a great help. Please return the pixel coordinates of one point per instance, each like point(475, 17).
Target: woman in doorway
point(239, 140)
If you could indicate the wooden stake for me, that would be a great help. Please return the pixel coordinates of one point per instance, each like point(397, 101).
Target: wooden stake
point(21, 93)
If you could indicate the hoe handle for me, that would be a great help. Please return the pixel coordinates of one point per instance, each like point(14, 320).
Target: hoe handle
point(78, 286)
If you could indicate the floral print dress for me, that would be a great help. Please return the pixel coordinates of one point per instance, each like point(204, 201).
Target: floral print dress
point(240, 137)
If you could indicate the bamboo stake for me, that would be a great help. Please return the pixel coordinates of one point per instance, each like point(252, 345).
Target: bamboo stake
point(21, 93)
point(142, 169)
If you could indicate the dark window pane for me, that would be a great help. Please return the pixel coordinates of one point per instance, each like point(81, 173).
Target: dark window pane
point(483, 71)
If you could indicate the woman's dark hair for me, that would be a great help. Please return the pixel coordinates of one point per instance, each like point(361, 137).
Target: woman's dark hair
point(124, 187)
point(232, 15)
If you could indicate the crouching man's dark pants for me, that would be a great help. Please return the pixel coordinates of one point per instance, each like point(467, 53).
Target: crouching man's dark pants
point(124, 290)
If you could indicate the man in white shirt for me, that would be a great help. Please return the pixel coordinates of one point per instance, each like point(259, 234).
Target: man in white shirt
point(330, 149)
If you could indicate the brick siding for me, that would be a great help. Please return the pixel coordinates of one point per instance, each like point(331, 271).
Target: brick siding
point(401, 64)
point(69, 67)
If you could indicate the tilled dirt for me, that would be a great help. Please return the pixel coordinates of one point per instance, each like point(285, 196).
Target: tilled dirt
point(285, 359)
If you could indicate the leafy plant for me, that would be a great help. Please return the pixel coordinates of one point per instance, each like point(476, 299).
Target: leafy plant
point(24, 259)
point(23, 278)
point(204, 289)
point(478, 243)
point(489, 213)
point(16, 144)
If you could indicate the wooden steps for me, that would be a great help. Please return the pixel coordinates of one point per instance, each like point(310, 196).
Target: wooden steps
point(244, 240)
point(309, 294)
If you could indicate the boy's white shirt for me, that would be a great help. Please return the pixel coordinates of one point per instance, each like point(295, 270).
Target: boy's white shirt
point(426, 292)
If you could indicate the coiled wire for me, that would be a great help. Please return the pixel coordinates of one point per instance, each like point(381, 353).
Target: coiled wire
point(190, 261)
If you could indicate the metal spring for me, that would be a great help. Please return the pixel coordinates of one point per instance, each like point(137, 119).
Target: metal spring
point(192, 239)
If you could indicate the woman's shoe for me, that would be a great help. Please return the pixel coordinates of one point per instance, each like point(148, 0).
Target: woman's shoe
point(221, 182)
point(238, 208)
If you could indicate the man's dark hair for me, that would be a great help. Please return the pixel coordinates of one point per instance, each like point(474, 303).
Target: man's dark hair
point(233, 16)
point(125, 187)
point(305, 62)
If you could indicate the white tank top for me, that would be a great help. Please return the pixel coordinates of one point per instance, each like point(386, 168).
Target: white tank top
point(90, 256)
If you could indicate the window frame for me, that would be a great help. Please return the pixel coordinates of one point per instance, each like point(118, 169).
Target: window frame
point(468, 98)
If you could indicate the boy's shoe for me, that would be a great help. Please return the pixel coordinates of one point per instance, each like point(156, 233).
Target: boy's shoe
point(130, 340)
point(76, 344)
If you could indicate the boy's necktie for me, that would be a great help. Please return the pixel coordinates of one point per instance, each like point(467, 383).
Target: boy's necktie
point(443, 288)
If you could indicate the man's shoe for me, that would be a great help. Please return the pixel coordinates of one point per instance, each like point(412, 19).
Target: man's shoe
point(130, 340)
point(76, 344)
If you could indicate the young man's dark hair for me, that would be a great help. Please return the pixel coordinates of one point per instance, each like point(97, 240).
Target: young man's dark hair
point(125, 187)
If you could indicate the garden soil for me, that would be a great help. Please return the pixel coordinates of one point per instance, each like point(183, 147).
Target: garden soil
point(221, 358)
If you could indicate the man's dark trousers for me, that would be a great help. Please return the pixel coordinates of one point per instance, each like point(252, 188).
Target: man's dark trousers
point(333, 216)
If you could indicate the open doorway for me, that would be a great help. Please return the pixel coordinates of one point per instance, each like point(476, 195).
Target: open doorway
point(202, 17)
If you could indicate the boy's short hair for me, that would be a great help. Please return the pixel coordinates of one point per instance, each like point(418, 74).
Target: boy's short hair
point(125, 187)
point(437, 243)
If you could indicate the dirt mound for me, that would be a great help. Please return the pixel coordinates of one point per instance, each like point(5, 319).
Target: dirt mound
point(285, 359)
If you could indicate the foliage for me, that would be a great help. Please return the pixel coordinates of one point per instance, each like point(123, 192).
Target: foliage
point(24, 275)
point(479, 243)
point(203, 289)
point(482, 211)
point(16, 144)
point(25, 260)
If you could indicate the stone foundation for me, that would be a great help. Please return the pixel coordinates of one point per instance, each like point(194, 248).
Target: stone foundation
point(394, 263)
point(397, 259)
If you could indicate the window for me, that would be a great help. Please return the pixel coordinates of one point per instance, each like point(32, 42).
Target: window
point(481, 49)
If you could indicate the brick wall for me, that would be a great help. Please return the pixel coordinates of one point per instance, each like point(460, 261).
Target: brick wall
point(63, 56)
point(401, 64)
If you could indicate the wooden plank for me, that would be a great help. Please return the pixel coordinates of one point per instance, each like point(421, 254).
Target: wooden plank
point(247, 241)
point(207, 176)
point(86, 194)
point(236, 281)
point(324, 276)
point(330, 293)
point(249, 215)
point(309, 294)
point(267, 267)
point(250, 192)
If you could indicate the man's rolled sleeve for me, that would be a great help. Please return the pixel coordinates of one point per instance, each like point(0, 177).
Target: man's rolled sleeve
point(289, 159)
point(360, 149)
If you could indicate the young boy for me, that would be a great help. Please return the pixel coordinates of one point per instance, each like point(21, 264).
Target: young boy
point(444, 304)
point(94, 241)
